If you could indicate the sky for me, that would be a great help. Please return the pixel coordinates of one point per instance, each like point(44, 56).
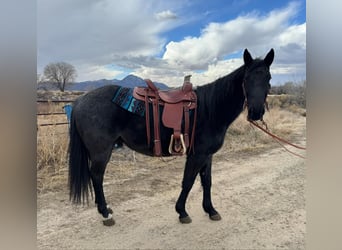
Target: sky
point(166, 40)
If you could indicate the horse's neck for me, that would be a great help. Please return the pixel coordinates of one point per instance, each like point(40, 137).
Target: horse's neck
point(226, 100)
point(231, 103)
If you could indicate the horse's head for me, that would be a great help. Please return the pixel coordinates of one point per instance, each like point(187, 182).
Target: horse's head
point(256, 84)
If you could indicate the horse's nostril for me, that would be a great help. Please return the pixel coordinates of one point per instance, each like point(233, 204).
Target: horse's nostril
point(255, 113)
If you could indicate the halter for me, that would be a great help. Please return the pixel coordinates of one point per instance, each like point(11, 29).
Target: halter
point(245, 103)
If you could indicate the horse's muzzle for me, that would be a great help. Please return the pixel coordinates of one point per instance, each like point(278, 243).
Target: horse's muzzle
point(256, 113)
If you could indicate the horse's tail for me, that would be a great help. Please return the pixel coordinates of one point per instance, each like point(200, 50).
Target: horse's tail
point(79, 172)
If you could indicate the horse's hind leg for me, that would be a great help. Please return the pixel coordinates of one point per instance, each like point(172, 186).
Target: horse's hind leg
point(97, 170)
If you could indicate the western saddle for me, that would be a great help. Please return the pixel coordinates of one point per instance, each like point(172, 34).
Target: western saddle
point(177, 104)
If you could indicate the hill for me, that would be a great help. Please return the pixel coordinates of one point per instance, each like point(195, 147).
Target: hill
point(129, 81)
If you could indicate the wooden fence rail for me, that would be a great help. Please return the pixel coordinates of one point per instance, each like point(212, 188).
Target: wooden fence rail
point(51, 124)
point(52, 113)
point(57, 101)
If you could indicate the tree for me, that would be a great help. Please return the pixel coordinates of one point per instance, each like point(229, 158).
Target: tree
point(40, 78)
point(60, 73)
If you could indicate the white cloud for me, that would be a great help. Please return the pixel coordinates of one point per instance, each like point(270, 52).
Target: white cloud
point(165, 15)
point(217, 70)
point(206, 52)
point(217, 40)
point(98, 31)
point(96, 72)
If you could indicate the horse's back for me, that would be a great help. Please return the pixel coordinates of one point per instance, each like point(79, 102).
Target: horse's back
point(94, 98)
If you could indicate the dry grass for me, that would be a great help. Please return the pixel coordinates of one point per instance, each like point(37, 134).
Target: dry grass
point(52, 144)
point(58, 95)
point(243, 137)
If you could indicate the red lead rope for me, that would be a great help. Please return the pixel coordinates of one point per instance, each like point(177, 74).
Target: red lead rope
point(278, 139)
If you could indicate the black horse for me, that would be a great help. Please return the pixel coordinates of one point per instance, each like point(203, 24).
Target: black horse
point(97, 124)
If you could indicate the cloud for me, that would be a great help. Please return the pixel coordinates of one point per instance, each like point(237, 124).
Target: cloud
point(91, 72)
point(165, 15)
point(94, 34)
point(204, 56)
point(98, 31)
point(217, 40)
point(291, 44)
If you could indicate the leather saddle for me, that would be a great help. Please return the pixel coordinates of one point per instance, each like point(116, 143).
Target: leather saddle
point(177, 104)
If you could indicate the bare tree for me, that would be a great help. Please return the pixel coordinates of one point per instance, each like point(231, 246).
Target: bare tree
point(40, 78)
point(60, 73)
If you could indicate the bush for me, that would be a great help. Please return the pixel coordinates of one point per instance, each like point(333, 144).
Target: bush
point(294, 94)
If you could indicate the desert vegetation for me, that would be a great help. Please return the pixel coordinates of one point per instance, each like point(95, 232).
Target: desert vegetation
point(293, 94)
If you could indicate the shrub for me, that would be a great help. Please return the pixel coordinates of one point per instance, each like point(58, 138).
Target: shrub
point(294, 92)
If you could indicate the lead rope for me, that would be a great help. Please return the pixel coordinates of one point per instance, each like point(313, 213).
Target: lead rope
point(278, 139)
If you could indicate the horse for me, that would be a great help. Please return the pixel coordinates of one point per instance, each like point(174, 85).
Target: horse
point(97, 124)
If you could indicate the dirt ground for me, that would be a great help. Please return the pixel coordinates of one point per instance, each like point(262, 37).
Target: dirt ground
point(260, 196)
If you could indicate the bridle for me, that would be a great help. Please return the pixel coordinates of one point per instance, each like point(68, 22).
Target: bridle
point(266, 130)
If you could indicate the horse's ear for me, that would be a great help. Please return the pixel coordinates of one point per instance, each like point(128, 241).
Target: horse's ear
point(247, 57)
point(269, 58)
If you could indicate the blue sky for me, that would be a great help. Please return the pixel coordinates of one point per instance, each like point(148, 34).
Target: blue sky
point(165, 40)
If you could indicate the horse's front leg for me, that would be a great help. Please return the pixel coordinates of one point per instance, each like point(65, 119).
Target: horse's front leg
point(192, 167)
point(205, 174)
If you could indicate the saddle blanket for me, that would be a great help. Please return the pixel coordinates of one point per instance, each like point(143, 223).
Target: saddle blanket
point(124, 98)
point(68, 109)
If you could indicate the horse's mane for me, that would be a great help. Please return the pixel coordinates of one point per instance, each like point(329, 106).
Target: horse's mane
point(217, 98)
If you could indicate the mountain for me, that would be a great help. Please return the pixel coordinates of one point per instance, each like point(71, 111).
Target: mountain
point(132, 81)
point(89, 85)
point(129, 81)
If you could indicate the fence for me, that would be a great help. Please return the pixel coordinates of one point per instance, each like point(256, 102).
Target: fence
point(50, 108)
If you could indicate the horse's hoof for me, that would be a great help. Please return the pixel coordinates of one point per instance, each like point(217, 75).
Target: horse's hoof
point(185, 220)
point(109, 221)
point(215, 217)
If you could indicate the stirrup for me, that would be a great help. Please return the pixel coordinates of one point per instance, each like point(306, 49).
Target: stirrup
point(182, 143)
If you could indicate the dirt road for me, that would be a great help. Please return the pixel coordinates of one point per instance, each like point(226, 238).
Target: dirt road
point(260, 198)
